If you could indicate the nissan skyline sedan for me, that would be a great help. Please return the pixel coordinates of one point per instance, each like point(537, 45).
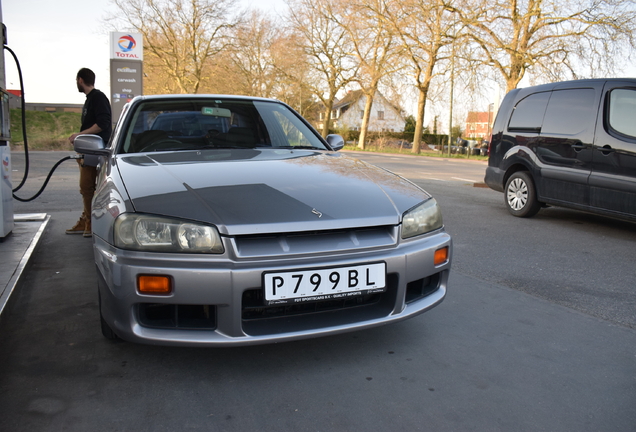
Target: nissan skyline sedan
point(228, 220)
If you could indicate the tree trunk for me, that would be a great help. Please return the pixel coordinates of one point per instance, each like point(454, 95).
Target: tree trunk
point(327, 123)
point(419, 120)
point(512, 83)
point(516, 73)
point(365, 121)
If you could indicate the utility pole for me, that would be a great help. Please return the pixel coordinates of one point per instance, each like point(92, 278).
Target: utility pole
point(491, 108)
point(435, 133)
point(452, 87)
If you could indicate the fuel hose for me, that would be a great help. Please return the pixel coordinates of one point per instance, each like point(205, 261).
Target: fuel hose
point(26, 146)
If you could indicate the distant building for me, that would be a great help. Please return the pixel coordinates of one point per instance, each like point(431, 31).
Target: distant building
point(15, 98)
point(15, 102)
point(348, 112)
point(479, 124)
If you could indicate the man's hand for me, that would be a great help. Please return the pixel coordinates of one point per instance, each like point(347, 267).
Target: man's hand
point(72, 138)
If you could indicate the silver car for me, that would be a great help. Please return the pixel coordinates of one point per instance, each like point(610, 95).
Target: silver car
point(227, 220)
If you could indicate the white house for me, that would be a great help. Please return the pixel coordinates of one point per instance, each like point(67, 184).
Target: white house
point(348, 113)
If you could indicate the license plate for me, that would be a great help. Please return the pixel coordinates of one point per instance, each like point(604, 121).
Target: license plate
point(300, 286)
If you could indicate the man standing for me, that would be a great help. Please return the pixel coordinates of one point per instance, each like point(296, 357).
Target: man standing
point(96, 120)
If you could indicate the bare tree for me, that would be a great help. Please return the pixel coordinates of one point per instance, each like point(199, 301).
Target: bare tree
point(181, 37)
point(251, 55)
point(551, 37)
point(292, 67)
point(374, 46)
point(327, 48)
point(426, 28)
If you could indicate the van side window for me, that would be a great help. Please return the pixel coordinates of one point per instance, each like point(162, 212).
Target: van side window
point(570, 112)
point(527, 116)
point(622, 111)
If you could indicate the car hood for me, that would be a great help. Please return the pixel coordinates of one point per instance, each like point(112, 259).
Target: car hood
point(252, 191)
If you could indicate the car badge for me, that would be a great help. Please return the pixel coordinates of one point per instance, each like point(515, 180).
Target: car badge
point(317, 213)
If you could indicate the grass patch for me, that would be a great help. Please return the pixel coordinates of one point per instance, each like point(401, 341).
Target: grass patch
point(405, 151)
point(45, 130)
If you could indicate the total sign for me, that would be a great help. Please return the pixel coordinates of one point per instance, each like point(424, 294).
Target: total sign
point(126, 46)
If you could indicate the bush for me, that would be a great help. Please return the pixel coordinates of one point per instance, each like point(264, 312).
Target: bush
point(431, 139)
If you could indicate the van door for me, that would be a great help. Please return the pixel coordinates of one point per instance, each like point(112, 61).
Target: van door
point(613, 178)
point(565, 146)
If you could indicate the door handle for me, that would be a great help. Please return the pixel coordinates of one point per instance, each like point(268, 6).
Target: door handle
point(577, 147)
point(606, 149)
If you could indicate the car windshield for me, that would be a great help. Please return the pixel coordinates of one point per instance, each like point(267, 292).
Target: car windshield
point(193, 124)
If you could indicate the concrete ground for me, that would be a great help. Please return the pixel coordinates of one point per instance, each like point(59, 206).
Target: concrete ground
point(489, 358)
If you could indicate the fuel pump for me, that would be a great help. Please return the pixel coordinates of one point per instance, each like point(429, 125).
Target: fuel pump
point(6, 189)
point(7, 194)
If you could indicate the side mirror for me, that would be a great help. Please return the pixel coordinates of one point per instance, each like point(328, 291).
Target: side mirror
point(90, 145)
point(336, 142)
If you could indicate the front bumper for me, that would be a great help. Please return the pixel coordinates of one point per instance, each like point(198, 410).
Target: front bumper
point(495, 178)
point(218, 297)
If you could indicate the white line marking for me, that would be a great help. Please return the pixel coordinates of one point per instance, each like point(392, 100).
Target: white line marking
point(462, 179)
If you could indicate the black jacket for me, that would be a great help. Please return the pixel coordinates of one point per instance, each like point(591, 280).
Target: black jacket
point(97, 111)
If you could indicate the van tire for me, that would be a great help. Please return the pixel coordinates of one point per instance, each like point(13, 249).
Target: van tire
point(520, 195)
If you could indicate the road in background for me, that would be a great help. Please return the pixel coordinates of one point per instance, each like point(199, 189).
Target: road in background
point(62, 192)
point(501, 353)
point(568, 257)
point(453, 170)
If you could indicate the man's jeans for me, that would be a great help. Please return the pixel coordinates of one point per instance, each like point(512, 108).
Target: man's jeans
point(88, 179)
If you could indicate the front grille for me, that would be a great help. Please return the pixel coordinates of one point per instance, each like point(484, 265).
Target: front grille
point(260, 319)
point(315, 241)
point(171, 316)
point(253, 305)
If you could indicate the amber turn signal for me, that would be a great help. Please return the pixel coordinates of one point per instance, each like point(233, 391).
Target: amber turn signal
point(157, 285)
point(441, 256)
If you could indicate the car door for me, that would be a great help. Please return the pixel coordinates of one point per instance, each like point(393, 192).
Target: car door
point(565, 145)
point(613, 178)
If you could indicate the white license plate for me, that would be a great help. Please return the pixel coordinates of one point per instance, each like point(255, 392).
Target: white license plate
point(300, 286)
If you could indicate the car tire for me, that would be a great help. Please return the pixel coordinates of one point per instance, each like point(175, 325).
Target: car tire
point(520, 195)
point(106, 330)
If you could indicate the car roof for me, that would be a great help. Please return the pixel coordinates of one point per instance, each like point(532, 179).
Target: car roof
point(201, 96)
point(522, 92)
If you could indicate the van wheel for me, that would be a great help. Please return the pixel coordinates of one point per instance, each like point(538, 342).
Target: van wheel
point(521, 195)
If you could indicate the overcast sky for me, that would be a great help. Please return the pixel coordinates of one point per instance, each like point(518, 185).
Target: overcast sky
point(53, 39)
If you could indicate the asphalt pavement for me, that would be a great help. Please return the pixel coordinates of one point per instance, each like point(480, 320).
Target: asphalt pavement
point(489, 358)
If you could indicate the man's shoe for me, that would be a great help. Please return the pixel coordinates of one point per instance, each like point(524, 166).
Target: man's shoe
point(78, 228)
point(88, 232)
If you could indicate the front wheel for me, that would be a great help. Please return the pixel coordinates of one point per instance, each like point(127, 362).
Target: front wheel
point(107, 332)
point(521, 195)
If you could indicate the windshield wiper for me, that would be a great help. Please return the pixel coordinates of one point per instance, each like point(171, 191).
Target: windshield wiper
point(228, 147)
point(299, 147)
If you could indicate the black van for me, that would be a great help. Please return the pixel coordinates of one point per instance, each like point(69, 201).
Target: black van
point(569, 144)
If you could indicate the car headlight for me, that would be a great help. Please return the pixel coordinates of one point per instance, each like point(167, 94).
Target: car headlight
point(159, 234)
point(421, 219)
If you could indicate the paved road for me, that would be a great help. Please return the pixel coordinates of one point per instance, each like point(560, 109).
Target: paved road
point(62, 192)
point(575, 259)
point(433, 169)
point(503, 352)
point(568, 257)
